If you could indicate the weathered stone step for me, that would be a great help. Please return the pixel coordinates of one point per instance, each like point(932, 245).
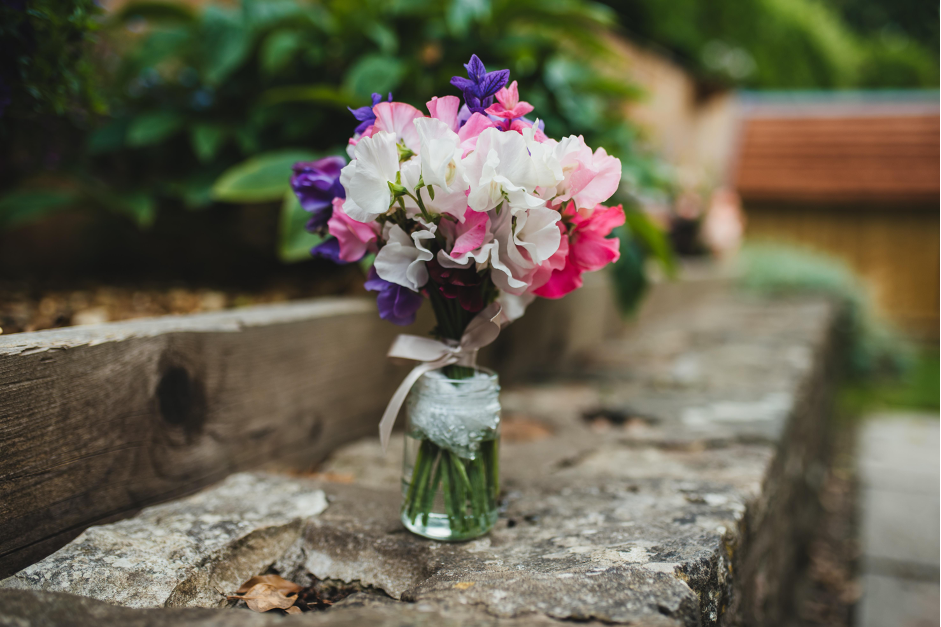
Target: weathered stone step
point(655, 493)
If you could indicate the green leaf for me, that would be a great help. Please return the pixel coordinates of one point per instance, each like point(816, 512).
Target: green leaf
point(461, 13)
point(325, 94)
point(652, 238)
point(294, 242)
point(278, 49)
point(207, 139)
point(138, 206)
point(24, 206)
point(108, 138)
point(226, 42)
point(260, 179)
point(374, 73)
point(156, 11)
point(151, 128)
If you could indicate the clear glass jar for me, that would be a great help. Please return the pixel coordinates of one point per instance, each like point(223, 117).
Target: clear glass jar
point(450, 474)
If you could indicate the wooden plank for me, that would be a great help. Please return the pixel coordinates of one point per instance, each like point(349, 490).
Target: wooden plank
point(97, 422)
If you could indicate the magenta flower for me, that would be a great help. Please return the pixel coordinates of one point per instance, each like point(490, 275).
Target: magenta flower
point(508, 104)
point(589, 248)
point(481, 85)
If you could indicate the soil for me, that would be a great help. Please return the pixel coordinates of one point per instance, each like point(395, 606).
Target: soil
point(25, 307)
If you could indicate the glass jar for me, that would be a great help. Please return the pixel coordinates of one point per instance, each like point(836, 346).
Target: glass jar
point(450, 474)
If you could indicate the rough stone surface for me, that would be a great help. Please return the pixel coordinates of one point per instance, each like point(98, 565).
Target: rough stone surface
point(186, 553)
point(672, 484)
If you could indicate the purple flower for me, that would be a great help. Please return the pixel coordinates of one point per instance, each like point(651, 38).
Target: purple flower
point(365, 115)
point(481, 85)
point(316, 184)
point(328, 249)
point(397, 304)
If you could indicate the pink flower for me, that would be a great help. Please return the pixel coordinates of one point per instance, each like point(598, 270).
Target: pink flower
point(464, 237)
point(508, 104)
point(355, 238)
point(446, 110)
point(472, 129)
point(519, 125)
point(596, 180)
point(397, 117)
point(589, 248)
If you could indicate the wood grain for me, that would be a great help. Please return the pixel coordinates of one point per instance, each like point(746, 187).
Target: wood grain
point(97, 422)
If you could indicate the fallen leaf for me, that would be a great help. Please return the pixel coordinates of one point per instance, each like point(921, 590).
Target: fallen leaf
point(264, 596)
point(464, 585)
point(519, 428)
point(293, 610)
point(275, 580)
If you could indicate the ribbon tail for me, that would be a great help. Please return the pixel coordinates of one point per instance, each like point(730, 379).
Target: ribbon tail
point(398, 399)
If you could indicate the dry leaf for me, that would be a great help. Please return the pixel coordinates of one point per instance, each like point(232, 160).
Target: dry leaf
point(264, 596)
point(293, 610)
point(275, 580)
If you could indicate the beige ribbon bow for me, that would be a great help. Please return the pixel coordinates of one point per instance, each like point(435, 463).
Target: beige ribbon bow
point(482, 330)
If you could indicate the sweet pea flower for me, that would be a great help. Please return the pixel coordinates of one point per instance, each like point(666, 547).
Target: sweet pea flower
point(316, 184)
point(589, 178)
point(329, 248)
point(446, 109)
point(460, 283)
point(366, 178)
point(452, 202)
point(523, 240)
point(440, 155)
point(471, 130)
point(365, 115)
point(589, 248)
point(501, 167)
point(464, 238)
point(508, 104)
point(355, 238)
point(481, 85)
point(397, 304)
point(402, 260)
point(397, 118)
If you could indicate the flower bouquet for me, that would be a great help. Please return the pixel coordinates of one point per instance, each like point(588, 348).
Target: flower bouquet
point(475, 209)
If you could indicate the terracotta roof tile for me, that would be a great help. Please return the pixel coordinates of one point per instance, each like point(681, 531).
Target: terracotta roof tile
point(839, 158)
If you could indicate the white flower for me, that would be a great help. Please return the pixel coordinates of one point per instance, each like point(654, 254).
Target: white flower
point(453, 202)
point(366, 178)
point(514, 306)
point(523, 240)
point(500, 166)
point(440, 155)
point(402, 259)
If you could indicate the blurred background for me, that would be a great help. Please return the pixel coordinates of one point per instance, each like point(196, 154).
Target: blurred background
point(789, 145)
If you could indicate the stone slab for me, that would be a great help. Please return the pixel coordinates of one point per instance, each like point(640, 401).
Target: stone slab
point(186, 553)
point(900, 526)
point(890, 601)
point(901, 452)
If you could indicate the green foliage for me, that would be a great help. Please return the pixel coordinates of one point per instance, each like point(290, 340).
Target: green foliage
point(44, 64)
point(782, 44)
point(874, 346)
point(916, 389)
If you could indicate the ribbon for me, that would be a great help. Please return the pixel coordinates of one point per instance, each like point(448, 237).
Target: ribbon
point(482, 330)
